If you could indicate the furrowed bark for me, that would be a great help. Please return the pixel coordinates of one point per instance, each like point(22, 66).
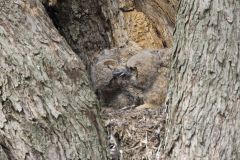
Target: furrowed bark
point(204, 91)
point(47, 109)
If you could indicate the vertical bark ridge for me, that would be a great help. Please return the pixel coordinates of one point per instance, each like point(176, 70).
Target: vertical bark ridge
point(204, 91)
point(47, 109)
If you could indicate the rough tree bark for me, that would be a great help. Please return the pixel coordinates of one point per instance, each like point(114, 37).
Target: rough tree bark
point(163, 15)
point(204, 92)
point(83, 25)
point(47, 109)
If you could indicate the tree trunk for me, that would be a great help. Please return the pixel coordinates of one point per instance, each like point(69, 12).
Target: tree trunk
point(83, 26)
point(204, 91)
point(163, 15)
point(47, 109)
